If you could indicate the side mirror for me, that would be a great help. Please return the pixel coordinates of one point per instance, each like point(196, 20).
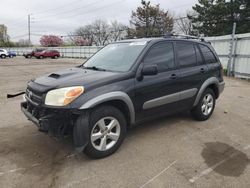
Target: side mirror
point(149, 70)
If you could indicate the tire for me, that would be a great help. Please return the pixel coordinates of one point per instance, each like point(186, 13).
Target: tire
point(40, 57)
point(55, 57)
point(3, 56)
point(105, 116)
point(28, 56)
point(205, 107)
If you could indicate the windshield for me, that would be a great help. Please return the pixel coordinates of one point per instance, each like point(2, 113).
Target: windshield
point(117, 56)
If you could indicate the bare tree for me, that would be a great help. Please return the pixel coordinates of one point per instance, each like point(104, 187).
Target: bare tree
point(23, 43)
point(183, 25)
point(100, 32)
point(118, 31)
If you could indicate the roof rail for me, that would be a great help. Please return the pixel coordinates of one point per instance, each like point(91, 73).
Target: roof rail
point(171, 35)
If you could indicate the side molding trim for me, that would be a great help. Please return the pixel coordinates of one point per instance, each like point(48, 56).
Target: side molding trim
point(170, 98)
point(116, 95)
point(212, 80)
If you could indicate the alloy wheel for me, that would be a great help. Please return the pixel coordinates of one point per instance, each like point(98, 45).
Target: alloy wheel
point(207, 104)
point(105, 133)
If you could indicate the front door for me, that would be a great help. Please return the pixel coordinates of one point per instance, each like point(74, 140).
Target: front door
point(158, 94)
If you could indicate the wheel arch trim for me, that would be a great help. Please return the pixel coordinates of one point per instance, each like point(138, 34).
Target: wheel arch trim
point(116, 95)
point(210, 81)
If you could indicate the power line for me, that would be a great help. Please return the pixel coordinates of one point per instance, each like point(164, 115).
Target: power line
point(96, 9)
point(69, 11)
point(60, 7)
point(18, 36)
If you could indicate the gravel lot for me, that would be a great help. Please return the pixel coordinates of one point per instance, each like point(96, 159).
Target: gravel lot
point(175, 151)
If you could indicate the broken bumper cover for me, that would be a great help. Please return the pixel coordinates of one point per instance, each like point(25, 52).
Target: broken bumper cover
point(58, 122)
point(54, 121)
point(28, 114)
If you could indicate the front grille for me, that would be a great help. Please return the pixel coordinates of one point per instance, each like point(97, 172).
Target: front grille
point(34, 96)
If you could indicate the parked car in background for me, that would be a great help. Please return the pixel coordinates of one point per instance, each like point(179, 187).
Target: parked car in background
point(31, 53)
point(3, 53)
point(47, 53)
point(11, 54)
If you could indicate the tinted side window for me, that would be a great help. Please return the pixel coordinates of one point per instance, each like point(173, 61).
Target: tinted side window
point(207, 54)
point(186, 54)
point(198, 55)
point(162, 55)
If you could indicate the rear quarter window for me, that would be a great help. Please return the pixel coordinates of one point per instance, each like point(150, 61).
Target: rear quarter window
point(208, 55)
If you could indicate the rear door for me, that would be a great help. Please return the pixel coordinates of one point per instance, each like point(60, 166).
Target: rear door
point(193, 70)
point(211, 61)
point(158, 94)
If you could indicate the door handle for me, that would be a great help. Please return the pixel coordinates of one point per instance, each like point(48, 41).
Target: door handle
point(173, 76)
point(202, 70)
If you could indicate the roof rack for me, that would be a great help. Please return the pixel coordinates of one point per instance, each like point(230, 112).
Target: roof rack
point(171, 35)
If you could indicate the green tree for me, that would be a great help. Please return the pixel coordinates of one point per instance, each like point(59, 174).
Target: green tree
point(216, 17)
point(149, 20)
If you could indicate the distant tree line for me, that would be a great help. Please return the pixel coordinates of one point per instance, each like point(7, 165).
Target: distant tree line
point(207, 18)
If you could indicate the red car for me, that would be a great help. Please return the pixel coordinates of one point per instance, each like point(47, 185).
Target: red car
point(47, 53)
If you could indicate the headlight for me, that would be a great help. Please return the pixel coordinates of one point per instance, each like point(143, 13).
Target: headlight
point(63, 96)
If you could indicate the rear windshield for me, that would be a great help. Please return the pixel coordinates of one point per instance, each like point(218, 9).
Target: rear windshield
point(117, 56)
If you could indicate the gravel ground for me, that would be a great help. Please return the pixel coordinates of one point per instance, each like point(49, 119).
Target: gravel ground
point(174, 151)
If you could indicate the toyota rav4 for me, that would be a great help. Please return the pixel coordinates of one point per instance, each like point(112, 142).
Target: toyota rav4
point(124, 84)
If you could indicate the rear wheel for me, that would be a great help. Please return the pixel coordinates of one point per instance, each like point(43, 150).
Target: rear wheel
point(205, 107)
point(40, 57)
point(107, 131)
point(56, 56)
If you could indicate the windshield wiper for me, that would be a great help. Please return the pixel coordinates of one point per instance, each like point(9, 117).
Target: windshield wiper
point(95, 68)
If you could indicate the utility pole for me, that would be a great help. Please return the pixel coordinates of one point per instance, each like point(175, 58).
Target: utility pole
point(231, 49)
point(29, 28)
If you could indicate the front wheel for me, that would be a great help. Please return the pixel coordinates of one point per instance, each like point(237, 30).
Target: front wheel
point(107, 127)
point(41, 57)
point(3, 56)
point(205, 107)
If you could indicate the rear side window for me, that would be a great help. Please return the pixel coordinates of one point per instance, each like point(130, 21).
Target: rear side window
point(208, 55)
point(198, 55)
point(186, 54)
point(162, 55)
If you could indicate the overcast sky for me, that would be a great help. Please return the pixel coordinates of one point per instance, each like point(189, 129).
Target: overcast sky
point(63, 16)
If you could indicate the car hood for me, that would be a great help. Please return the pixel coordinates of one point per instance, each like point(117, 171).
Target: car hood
point(71, 77)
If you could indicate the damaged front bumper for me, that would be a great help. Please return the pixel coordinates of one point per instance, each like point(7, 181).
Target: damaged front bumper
point(57, 122)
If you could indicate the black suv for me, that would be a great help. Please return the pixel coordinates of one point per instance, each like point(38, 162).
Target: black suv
point(125, 83)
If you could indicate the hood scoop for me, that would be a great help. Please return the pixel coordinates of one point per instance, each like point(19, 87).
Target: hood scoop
point(54, 75)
